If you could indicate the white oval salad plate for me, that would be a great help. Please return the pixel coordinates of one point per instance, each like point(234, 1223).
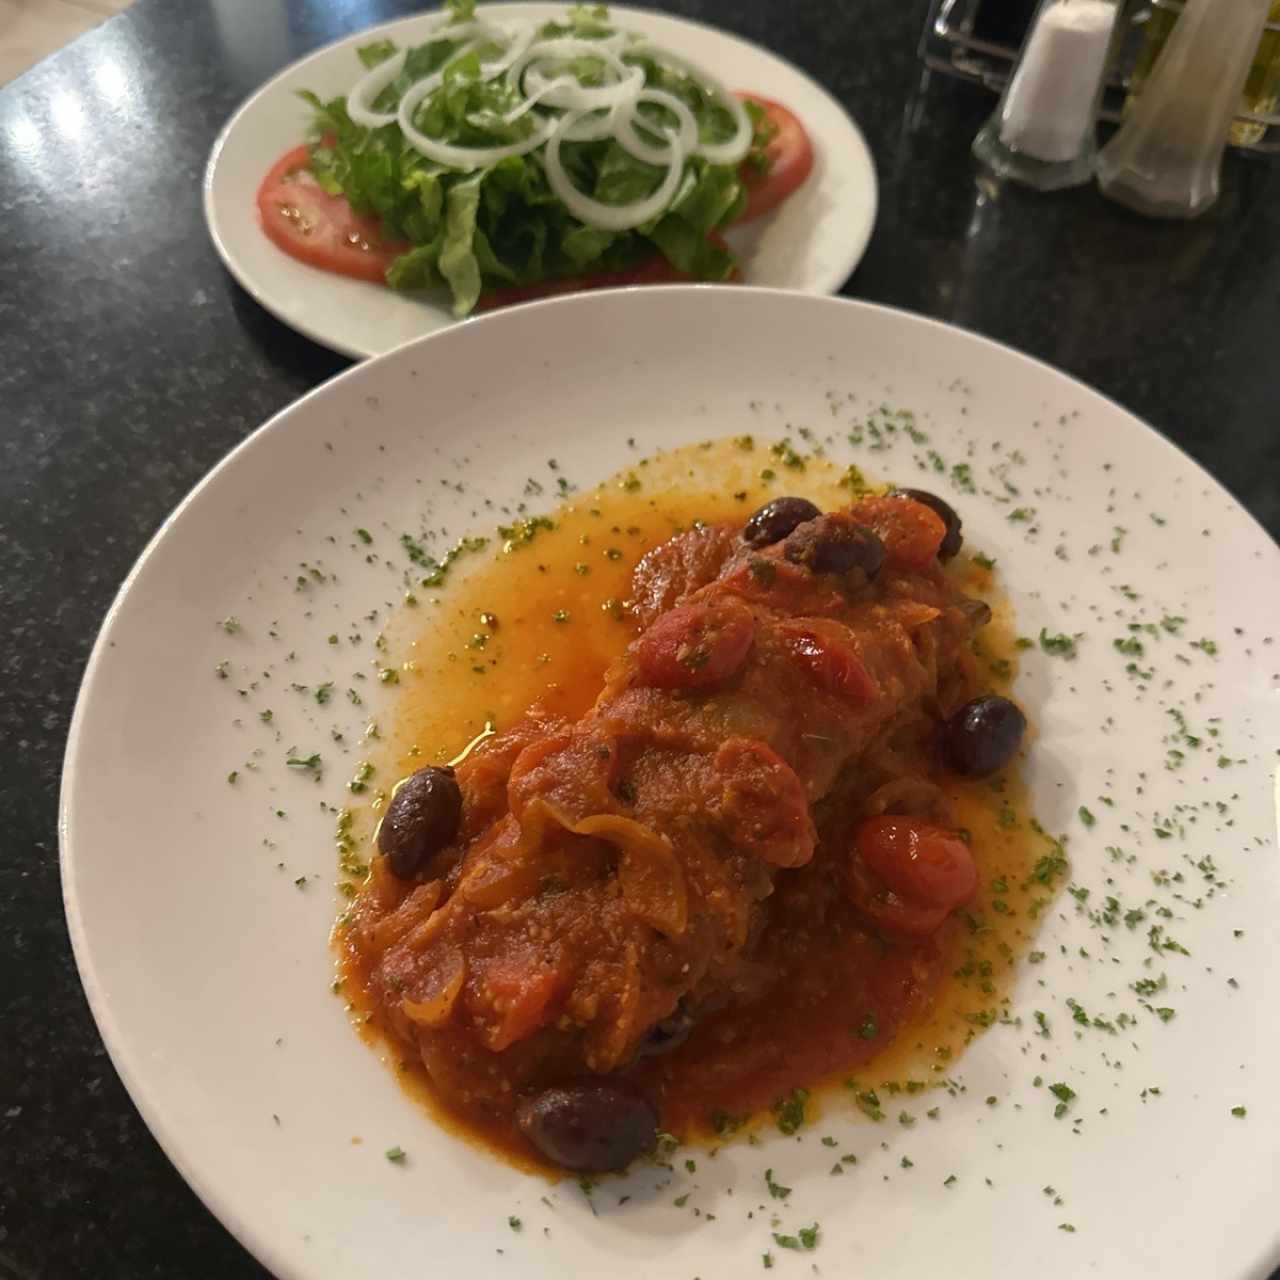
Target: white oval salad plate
point(812, 242)
point(1121, 1118)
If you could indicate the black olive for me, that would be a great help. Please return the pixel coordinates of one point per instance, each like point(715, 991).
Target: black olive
point(952, 539)
point(976, 613)
point(984, 735)
point(667, 1035)
point(776, 519)
point(834, 544)
point(589, 1128)
point(421, 819)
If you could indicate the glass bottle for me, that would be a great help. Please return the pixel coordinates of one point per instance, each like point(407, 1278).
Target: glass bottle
point(1262, 85)
point(1042, 132)
point(1165, 158)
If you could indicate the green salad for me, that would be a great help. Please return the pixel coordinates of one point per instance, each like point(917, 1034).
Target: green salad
point(509, 154)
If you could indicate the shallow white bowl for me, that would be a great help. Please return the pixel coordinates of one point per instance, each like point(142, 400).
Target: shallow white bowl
point(207, 967)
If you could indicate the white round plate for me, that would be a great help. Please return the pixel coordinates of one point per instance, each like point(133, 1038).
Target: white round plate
point(208, 970)
point(812, 243)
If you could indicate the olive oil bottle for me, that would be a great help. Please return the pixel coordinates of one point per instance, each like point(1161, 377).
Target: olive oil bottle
point(1157, 18)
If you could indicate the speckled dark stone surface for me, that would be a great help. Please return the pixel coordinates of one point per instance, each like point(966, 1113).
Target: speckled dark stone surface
point(131, 363)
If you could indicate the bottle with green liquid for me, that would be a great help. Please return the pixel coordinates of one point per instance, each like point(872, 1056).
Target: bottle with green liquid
point(1262, 88)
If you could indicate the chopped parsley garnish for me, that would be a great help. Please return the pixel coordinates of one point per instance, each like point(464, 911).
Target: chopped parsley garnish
point(1061, 645)
point(868, 1102)
point(790, 1112)
point(1065, 1095)
point(805, 1238)
point(854, 479)
point(776, 1190)
point(785, 452)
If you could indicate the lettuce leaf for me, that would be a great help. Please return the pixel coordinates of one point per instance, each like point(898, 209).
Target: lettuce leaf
point(458, 262)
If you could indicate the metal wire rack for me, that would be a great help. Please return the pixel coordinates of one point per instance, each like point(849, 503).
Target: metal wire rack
point(952, 42)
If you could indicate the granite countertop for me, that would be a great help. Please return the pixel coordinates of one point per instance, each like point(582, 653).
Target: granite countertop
point(132, 363)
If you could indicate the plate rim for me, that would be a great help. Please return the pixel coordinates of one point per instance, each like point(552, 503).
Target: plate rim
point(853, 255)
point(263, 1247)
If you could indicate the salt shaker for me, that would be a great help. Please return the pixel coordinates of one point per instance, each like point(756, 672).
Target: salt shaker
point(1042, 132)
point(1164, 161)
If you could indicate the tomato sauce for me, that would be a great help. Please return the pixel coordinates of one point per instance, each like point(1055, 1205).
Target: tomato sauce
point(537, 619)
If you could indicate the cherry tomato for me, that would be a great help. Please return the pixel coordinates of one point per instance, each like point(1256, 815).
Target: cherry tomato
point(909, 875)
point(892, 914)
point(695, 645)
point(911, 532)
point(790, 157)
point(821, 647)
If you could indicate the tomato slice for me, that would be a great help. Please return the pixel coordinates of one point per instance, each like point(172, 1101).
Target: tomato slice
point(790, 155)
point(909, 875)
point(302, 218)
point(911, 532)
point(322, 230)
